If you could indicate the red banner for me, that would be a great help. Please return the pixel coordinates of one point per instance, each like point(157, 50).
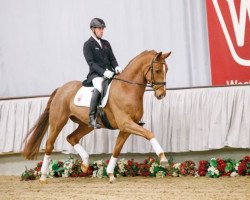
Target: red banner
point(229, 41)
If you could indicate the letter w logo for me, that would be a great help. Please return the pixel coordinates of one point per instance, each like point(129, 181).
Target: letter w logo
point(239, 26)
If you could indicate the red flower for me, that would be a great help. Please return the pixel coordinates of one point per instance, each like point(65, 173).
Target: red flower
point(81, 174)
point(151, 160)
point(226, 174)
point(242, 168)
point(202, 172)
point(38, 168)
point(203, 166)
point(221, 165)
point(130, 163)
point(60, 163)
point(183, 171)
point(90, 171)
point(247, 159)
point(191, 172)
point(144, 170)
point(73, 174)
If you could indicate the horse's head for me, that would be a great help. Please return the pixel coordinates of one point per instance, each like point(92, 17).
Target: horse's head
point(156, 74)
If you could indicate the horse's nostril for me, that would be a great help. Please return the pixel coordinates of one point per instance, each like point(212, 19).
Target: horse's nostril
point(162, 96)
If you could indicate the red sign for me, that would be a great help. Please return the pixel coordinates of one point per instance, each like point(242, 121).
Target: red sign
point(229, 41)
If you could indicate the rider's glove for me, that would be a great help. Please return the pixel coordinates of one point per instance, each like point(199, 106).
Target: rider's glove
point(108, 74)
point(118, 70)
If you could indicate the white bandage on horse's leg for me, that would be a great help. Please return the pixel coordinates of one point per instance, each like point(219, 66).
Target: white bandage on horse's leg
point(45, 166)
point(156, 146)
point(84, 155)
point(111, 165)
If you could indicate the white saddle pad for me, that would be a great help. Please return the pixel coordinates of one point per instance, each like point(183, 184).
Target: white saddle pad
point(84, 94)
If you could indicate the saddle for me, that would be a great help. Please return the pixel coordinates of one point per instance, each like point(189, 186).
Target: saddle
point(102, 101)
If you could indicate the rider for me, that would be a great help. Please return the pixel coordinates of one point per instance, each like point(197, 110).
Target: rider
point(102, 64)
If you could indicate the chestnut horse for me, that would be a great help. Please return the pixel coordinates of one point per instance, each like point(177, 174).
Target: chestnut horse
point(124, 110)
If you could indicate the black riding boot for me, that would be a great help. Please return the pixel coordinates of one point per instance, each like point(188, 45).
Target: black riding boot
point(93, 108)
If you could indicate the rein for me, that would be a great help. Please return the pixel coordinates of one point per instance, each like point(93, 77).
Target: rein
point(133, 83)
point(152, 81)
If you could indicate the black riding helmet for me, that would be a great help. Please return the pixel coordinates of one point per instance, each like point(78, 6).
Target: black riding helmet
point(97, 23)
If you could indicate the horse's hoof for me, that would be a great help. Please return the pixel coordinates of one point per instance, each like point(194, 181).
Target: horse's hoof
point(164, 163)
point(111, 178)
point(43, 181)
point(84, 168)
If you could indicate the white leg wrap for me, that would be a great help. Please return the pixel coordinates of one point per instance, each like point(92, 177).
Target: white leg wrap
point(83, 154)
point(156, 146)
point(45, 166)
point(111, 165)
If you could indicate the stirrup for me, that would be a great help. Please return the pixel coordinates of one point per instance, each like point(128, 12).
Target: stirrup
point(94, 124)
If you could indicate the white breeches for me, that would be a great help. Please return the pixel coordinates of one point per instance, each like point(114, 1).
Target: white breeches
point(97, 82)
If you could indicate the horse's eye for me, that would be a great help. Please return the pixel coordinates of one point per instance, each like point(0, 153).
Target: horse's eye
point(157, 71)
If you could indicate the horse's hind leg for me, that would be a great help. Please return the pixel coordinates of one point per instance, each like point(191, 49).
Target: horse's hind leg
point(74, 138)
point(121, 139)
point(56, 122)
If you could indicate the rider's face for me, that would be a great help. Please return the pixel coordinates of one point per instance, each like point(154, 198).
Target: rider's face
point(99, 32)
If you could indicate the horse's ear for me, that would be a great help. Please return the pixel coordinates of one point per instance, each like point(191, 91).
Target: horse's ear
point(158, 56)
point(165, 55)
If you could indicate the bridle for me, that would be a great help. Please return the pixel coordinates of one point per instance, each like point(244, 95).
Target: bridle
point(152, 79)
point(152, 83)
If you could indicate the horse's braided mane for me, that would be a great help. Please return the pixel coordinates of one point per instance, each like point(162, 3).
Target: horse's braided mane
point(141, 54)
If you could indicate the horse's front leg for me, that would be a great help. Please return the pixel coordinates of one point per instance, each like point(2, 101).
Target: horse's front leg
point(132, 127)
point(121, 139)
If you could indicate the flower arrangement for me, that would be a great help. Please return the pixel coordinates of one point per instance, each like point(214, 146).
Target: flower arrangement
point(203, 166)
point(212, 170)
point(187, 168)
point(228, 167)
point(98, 169)
point(149, 167)
point(28, 175)
point(244, 166)
point(155, 169)
point(127, 168)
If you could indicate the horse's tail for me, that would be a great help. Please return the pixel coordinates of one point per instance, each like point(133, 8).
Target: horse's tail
point(37, 132)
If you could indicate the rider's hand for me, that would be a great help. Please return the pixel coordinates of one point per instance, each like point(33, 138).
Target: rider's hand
point(108, 74)
point(118, 70)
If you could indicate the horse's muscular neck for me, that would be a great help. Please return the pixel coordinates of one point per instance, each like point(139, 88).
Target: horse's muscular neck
point(129, 93)
point(135, 72)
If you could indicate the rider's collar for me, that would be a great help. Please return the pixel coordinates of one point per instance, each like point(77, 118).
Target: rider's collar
point(96, 39)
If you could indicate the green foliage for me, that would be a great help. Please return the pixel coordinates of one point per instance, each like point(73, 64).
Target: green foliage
point(28, 175)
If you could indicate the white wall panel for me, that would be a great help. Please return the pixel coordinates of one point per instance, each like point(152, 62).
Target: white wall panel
point(41, 41)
